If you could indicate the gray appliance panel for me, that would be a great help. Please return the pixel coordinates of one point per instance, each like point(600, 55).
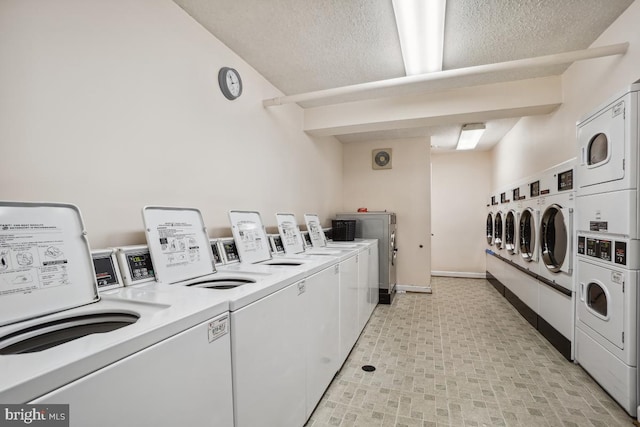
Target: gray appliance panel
point(381, 226)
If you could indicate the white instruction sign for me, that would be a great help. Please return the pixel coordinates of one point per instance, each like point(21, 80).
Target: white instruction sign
point(178, 243)
point(290, 234)
point(32, 258)
point(251, 236)
point(315, 231)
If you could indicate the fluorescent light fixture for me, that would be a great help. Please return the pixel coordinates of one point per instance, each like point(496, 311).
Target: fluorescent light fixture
point(421, 29)
point(470, 135)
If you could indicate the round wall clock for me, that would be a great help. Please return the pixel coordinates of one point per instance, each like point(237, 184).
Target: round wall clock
point(230, 83)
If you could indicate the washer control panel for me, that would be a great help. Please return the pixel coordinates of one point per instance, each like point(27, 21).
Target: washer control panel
point(603, 249)
point(230, 251)
point(140, 265)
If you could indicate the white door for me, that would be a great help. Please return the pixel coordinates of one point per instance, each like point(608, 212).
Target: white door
point(601, 142)
point(527, 234)
point(490, 228)
point(348, 306)
point(322, 332)
point(497, 231)
point(556, 238)
point(601, 300)
point(184, 380)
point(269, 360)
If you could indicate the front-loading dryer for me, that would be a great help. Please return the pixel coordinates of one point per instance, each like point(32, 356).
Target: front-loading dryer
point(556, 271)
point(498, 226)
point(489, 226)
point(511, 225)
point(607, 314)
point(607, 170)
point(556, 235)
point(529, 222)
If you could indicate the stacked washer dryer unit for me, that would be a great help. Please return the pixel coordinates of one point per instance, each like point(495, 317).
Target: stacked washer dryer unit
point(608, 255)
point(556, 241)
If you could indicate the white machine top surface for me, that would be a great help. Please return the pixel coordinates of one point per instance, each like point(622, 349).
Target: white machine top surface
point(45, 261)
point(178, 243)
point(250, 236)
point(290, 233)
point(162, 314)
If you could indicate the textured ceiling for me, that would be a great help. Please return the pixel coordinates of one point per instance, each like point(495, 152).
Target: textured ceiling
point(307, 45)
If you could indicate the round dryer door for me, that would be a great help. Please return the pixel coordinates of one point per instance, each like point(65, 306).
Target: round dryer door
point(553, 238)
point(527, 235)
point(510, 231)
point(497, 230)
point(490, 228)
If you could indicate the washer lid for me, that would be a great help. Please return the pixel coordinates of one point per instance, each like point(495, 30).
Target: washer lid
point(250, 236)
point(178, 243)
point(316, 233)
point(290, 233)
point(45, 260)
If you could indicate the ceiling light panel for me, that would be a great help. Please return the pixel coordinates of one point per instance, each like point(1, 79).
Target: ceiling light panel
point(421, 30)
point(470, 136)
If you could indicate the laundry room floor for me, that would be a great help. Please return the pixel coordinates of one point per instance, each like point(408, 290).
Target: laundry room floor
point(461, 356)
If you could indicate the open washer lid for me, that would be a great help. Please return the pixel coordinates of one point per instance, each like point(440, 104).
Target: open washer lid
point(292, 239)
point(250, 236)
point(178, 243)
point(316, 233)
point(45, 260)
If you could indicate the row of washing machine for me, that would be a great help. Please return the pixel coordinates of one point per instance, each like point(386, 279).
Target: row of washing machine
point(581, 239)
point(529, 239)
point(183, 331)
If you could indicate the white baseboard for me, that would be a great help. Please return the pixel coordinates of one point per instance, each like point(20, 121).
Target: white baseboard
point(464, 274)
point(410, 288)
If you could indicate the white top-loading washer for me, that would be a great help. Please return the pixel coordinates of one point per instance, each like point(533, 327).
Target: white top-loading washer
point(253, 247)
point(80, 355)
point(293, 240)
point(181, 253)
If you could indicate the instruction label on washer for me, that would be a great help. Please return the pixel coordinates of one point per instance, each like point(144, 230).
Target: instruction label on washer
point(617, 277)
point(218, 328)
point(178, 243)
point(32, 258)
point(290, 237)
point(250, 236)
point(315, 233)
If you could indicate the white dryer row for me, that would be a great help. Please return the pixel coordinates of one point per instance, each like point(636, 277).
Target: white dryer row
point(532, 224)
point(530, 251)
point(160, 351)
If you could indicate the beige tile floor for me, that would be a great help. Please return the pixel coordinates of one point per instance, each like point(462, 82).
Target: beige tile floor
point(461, 356)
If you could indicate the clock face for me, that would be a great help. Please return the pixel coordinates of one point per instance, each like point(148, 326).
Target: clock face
point(233, 83)
point(230, 83)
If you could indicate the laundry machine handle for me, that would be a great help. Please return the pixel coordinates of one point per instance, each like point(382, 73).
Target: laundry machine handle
point(582, 288)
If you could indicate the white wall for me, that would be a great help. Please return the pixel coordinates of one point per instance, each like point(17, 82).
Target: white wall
point(404, 189)
point(536, 143)
point(113, 105)
point(460, 183)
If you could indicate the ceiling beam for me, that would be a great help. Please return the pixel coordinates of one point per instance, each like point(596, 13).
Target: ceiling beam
point(476, 103)
point(363, 88)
